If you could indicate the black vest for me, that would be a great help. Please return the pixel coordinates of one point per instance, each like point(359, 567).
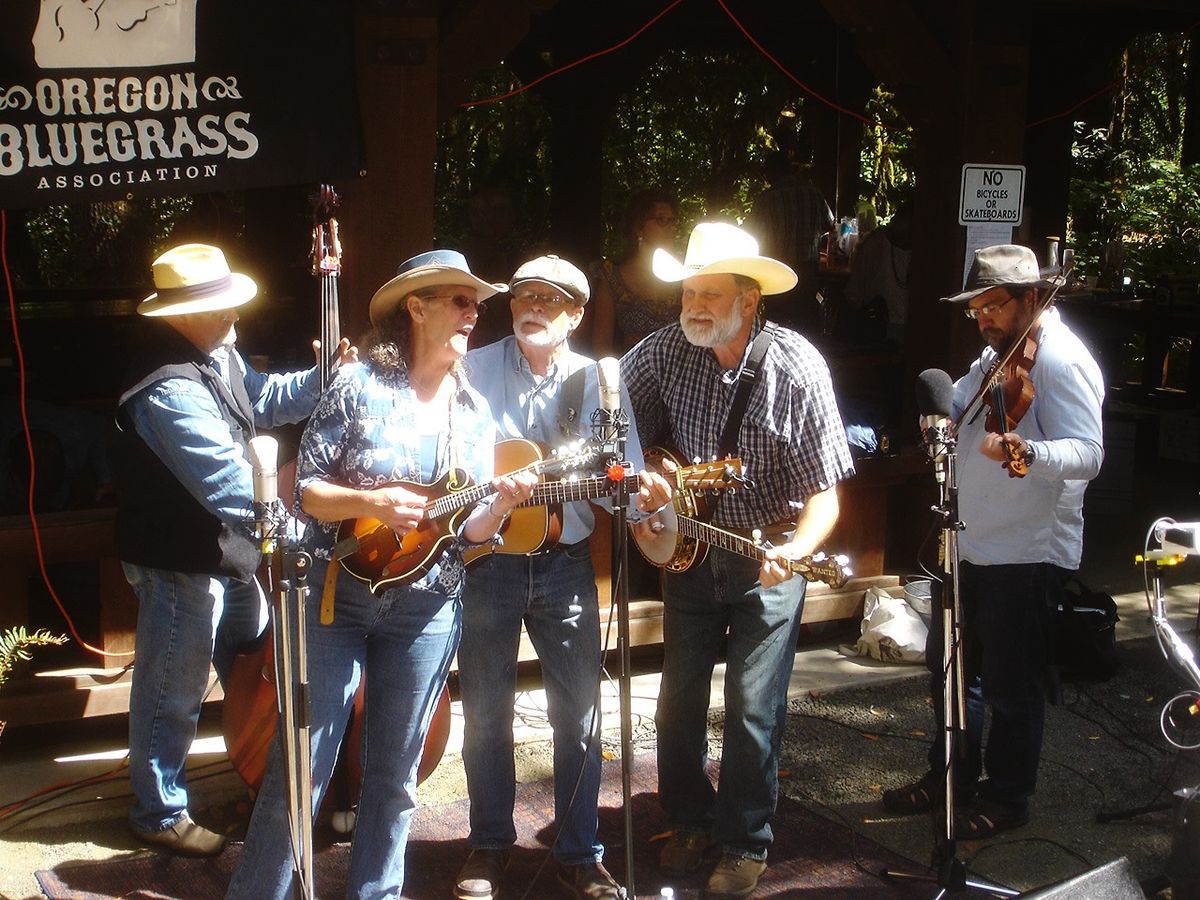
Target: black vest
point(160, 524)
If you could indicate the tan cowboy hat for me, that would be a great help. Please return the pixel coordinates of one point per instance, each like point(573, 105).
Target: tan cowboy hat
point(195, 278)
point(435, 267)
point(716, 248)
point(1004, 265)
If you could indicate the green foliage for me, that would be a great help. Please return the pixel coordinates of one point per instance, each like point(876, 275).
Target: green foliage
point(100, 244)
point(15, 644)
point(697, 124)
point(491, 176)
point(1129, 193)
point(700, 125)
point(886, 156)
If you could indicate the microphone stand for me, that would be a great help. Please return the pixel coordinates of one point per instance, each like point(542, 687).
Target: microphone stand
point(292, 689)
point(950, 872)
point(613, 426)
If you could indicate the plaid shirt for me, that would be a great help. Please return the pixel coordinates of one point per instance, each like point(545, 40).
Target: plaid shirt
point(791, 442)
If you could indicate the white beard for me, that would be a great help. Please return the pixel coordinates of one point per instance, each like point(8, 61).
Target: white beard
point(551, 336)
point(704, 333)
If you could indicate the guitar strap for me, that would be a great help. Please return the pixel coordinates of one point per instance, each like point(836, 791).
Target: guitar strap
point(737, 410)
point(570, 403)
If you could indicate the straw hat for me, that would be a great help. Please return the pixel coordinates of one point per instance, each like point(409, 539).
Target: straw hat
point(436, 267)
point(716, 248)
point(1003, 265)
point(195, 278)
point(556, 272)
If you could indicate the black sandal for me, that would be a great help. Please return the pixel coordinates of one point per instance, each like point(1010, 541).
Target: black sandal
point(909, 800)
point(987, 819)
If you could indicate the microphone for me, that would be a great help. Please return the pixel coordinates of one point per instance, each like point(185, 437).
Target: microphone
point(609, 423)
point(264, 473)
point(935, 397)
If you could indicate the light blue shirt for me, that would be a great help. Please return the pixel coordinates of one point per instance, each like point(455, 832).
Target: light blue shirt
point(180, 421)
point(526, 405)
point(1038, 518)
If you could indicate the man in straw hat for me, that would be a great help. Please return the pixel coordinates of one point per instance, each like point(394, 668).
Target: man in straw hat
point(1023, 541)
point(187, 409)
point(683, 380)
point(528, 379)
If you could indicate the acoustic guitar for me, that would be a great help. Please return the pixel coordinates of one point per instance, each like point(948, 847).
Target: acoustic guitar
point(375, 554)
point(537, 522)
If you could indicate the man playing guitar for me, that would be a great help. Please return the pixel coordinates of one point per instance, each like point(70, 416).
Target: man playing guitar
point(552, 592)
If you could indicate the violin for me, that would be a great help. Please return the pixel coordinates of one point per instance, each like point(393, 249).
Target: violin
point(1007, 389)
point(1009, 394)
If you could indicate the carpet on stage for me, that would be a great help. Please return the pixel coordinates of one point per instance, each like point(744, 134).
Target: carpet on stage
point(810, 854)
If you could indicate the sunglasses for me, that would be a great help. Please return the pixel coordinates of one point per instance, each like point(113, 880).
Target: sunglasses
point(664, 221)
point(462, 301)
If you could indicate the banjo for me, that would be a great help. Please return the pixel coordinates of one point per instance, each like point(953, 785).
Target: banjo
point(685, 538)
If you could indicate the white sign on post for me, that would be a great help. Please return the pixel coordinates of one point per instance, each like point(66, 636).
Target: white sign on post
point(993, 194)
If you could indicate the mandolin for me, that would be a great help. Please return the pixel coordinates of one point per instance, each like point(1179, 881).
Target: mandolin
point(374, 553)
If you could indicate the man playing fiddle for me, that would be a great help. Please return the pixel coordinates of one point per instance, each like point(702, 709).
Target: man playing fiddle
point(1022, 542)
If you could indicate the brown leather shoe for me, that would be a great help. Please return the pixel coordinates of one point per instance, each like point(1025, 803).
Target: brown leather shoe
point(735, 876)
point(684, 853)
point(590, 881)
point(185, 837)
point(481, 874)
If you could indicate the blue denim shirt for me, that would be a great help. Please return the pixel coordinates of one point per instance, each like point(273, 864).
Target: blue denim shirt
point(527, 406)
point(181, 423)
point(364, 434)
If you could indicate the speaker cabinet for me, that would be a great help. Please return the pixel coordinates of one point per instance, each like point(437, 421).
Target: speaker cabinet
point(1112, 881)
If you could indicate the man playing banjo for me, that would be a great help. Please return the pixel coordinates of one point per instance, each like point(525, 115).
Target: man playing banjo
point(786, 428)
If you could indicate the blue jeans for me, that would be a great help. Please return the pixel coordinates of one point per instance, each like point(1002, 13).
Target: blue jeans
point(403, 642)
point(185, 622)
point(1006, 621)
point(554, 594)
point(722, 593)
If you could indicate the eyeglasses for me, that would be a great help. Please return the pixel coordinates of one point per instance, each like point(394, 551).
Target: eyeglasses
point(664, 221)
point(990, 310)
point(462, 301)
point(549, 301)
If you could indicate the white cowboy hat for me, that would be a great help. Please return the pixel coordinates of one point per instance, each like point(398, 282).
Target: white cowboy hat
point(436, 267)
point(716, 248)
point(195, 278)
point(1003, 265)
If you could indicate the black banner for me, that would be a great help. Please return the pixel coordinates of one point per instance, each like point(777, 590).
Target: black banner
point(106, 99)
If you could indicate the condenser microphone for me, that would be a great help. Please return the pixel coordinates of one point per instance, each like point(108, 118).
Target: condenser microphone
point(935, 398)
point(609, 424)
point(264, 474)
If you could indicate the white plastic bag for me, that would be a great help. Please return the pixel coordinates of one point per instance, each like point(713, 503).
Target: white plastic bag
point(891, 629)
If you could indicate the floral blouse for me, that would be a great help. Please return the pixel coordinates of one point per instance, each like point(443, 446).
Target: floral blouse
point(363, 434)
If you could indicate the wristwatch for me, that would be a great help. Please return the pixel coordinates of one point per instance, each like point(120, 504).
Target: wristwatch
point(1030, 454)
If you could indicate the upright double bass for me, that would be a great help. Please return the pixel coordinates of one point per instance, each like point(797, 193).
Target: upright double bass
point(250, 713)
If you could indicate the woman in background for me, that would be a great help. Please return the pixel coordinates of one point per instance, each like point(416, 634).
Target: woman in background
point(628, 301)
